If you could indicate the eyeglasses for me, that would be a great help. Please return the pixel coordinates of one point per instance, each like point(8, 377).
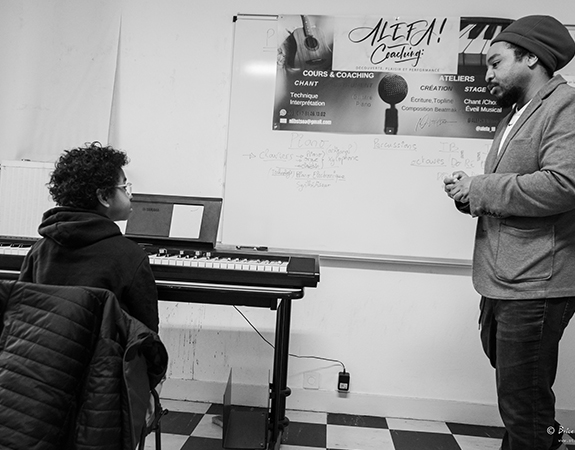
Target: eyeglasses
point(127, 188)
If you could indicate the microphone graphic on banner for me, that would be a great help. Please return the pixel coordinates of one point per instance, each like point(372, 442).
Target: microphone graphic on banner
point(392, 89)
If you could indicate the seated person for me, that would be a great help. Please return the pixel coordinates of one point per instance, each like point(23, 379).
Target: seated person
point(81, 245)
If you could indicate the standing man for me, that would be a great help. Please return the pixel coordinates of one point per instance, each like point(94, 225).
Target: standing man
point(524, 257)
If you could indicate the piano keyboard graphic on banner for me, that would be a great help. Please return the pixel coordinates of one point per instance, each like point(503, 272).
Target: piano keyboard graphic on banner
point(475, 36)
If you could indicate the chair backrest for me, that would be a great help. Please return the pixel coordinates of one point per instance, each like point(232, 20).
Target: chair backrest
point(47, 339)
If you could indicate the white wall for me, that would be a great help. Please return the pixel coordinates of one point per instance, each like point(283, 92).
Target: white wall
point(407, 334)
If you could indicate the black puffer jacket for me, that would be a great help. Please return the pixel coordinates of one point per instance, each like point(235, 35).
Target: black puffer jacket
point(75, 369)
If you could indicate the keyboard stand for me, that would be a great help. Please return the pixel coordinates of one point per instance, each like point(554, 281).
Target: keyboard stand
point(278, 388)
point(279, 299)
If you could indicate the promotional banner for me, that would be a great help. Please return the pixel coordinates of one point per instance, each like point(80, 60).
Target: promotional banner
point(418, 76)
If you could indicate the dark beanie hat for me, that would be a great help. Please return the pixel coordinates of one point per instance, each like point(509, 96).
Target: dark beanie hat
point(544, 36)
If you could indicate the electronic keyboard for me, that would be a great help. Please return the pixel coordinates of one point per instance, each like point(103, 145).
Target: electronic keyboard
point(178, 266)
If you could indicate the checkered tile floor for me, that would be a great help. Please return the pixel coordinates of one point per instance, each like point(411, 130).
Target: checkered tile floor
point(189, 426)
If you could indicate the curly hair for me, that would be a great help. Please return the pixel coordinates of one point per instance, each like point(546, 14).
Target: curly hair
point(81, 172)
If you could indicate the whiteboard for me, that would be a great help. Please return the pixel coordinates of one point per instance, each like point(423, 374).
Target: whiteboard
point(377, 196)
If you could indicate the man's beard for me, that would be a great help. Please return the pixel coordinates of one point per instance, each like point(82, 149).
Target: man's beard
point(509, 97)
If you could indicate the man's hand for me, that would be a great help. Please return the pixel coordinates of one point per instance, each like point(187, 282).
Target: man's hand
point(457, 186)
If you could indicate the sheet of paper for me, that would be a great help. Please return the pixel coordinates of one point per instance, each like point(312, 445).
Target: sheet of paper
point(186, 221)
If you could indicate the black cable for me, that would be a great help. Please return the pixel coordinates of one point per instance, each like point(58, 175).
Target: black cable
point(290, 354)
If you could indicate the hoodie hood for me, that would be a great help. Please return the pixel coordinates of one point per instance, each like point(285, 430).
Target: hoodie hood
point(71, 227)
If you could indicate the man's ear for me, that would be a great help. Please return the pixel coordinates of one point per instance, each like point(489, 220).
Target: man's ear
point(532, 60)
point(102, 198)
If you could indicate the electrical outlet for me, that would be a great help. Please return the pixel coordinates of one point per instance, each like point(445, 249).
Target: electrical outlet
point(311, 380)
